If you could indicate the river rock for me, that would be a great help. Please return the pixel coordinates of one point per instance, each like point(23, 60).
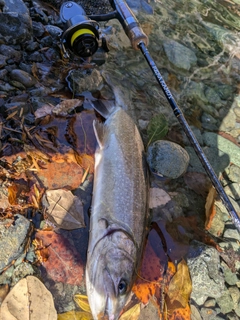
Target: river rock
point(11, 53)
point(167, 159)
point(207, 279)
point(13, 239)
point(212, 139)
point(3, 62)
point(225, 302)
point(218, 159)
point(15, 27)
point(179, 55)
point(23, 77)
point(15, 6)
point(85, 81)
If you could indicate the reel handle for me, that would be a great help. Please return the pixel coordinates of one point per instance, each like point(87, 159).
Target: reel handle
point(130, 24)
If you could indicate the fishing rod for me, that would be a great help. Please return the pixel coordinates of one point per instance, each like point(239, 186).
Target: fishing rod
point(81, 37)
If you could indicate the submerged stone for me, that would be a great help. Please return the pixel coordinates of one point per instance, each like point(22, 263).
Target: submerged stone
point(167, 159)
point(179, 55)
point(13, 239)
point(207, 279)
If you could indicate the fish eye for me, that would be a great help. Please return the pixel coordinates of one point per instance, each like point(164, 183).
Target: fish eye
point(122, 287)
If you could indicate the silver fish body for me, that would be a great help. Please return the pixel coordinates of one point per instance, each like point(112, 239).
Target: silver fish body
point(118, 216)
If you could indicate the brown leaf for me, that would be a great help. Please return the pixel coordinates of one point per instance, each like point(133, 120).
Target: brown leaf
point(28, 300)
point(180, 286)
point(57, 175)
point(65, 209)
point(210, 209)
point(64, 263)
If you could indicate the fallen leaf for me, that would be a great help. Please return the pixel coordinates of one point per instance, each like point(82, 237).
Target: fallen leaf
point(180, 314)
point(65, 209)
point(29, 300)
point(131, 314)
point(75, 315)
point(45, 110)
point(86, 161)
point(157, 128)
point(12, 194)
point(57, 175)
point(82, 302)
point(64, 263)
point(180, 286)
point(210, 209)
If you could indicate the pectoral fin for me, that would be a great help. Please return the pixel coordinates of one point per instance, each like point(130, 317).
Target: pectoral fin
point(100, 131)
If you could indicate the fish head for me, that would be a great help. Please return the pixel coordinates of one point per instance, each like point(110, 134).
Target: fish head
point(110, 275)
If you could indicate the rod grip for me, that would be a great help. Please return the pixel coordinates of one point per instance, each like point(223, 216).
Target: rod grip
point(130, 24)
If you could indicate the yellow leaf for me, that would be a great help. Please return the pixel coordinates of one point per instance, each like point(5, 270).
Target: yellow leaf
point(180, 286)
point(131, 314)
point(75, 315)
point(82, 302)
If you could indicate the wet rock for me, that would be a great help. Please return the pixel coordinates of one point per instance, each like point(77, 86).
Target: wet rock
point(23, 77)
point(231, 233)
point(228, 123)
point(35, 57)
point(195, 93)
point(179, 55)
point(21, 271)
point(3, 74)
point(54, 31)
point(6, 87)
point(235, 294)
point(15, 28)
point(195, 315)
point(38, 29)
point(15, 6)
point(230, 277)
point(207, 279)
point(212, 139)
point(162, 157)
point(225, 302)
point(13, 239)
point(11, 53)
point(218, 159)
point(210, 303)
point(208, 314)
point(85, 81)
point(3, 62)
point(32, 46)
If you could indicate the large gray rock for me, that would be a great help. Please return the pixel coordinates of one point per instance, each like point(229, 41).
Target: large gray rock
point(179, 55)
point(13, 239)
point(167, 159)
point(15, 22)
point(214, 140)
point(207, 279)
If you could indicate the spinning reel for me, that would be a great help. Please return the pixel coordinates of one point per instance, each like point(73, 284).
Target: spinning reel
point(81, 36)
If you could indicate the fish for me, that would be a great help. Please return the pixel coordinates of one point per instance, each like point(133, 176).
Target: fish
point(119, 215)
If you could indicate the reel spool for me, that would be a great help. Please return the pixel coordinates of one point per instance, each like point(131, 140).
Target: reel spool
point(81, 34)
